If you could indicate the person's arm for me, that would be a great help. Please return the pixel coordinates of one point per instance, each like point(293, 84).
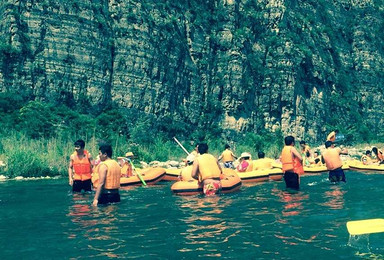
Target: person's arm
point(296, 153)
point(221, 170)
point(195, 170)
point(220, 157)
point(102, 175)
point(90, 159)
point(234, 156)
point(70, 171)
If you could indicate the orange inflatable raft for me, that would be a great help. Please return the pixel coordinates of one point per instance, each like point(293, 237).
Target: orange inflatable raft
point(172, 174)
point(359, 166)
point(230, 182)
point(150, 176)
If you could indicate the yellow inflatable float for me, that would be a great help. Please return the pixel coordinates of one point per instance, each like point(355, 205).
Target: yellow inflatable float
point(359, 166)
point(150, 176)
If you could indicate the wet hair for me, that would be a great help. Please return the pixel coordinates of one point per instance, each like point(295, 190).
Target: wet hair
point(106, 148)
point(374, 150)
point(308, 154)
point(302, 142)
point(227, 146)
point(261, 155)
point(367, 152)
point(80, 143)
point(202, 148)
point(328, 144)
point(288, 140)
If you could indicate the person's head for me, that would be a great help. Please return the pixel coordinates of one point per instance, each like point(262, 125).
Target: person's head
point(368, 152)
point(105, 151)
point(245, 156)
point(374, 150)
point(79, 145)
point(227, 146)
point(289, 140)
point(302, 143)
point(202, 148)
point(260, 154)
point(328, 144)
point(315, 153)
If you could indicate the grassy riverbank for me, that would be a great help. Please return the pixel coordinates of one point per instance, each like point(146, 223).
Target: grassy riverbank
point(28, 157)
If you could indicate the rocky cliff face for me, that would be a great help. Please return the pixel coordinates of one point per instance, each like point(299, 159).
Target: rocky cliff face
point(302, 66)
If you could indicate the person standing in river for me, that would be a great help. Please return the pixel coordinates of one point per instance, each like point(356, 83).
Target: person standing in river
point(80, 168)
point(109, 178)
point(331, 157)
point(292, 163)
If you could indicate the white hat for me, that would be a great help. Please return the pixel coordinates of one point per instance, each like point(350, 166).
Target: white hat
point(190, 158)
point(243, 155)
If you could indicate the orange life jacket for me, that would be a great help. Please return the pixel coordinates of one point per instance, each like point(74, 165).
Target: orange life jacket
point(208, 167)
point(290, 163)
point(227, 156)
point(112, 180)
point(82, 167)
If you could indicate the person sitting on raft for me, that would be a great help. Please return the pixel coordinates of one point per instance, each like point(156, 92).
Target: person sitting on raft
point(306, 152)
point(316, 159)
point(207, 170)
point(126, 165)
point(366, 159)
point(246, 164)
point(228, 157)
point(186, 172)
point(379, 155)
point(331, 158)
point(262, 162)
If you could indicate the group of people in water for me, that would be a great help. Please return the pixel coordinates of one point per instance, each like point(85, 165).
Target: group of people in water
point(206, 168)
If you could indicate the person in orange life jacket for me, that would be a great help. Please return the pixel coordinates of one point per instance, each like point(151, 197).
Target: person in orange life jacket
point(291, 163)
point(332, 135)
point(126, 165)
point(80, 168)
point(109, 178)
point(228, 157)
point(367, 158)
point(262, 162)
point(379, 155)
point(186, 172)
point(207, 170)
point(246, 164)
point(331, 158)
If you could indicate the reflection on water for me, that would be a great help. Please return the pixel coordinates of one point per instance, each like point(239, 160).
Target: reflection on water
point(96, 227)
point(292, 202)
point(334, 197)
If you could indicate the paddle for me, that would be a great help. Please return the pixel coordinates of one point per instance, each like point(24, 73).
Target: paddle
point(367, 226)
point(182, 147)
point(138, 174)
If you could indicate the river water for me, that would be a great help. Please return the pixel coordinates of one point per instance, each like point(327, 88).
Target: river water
point(42, 219)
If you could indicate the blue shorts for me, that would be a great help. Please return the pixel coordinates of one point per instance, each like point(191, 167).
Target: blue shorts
point(337, 175)
point(291, 180)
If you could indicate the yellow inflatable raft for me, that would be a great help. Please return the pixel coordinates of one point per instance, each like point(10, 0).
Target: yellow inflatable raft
point(261, 175)
point(359, 166)
point(321, 168)
point(230, 182)
point(150, 176)
point(172, 174)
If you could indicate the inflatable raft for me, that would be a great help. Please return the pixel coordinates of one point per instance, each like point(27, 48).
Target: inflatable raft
point(172, 174)
point(321, 168)
point(230, 182)
point(261, 175)
point(358, 165)
point(150, 176)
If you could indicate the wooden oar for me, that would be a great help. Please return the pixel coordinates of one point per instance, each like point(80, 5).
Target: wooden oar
point(367, 226)
point(137, 173)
